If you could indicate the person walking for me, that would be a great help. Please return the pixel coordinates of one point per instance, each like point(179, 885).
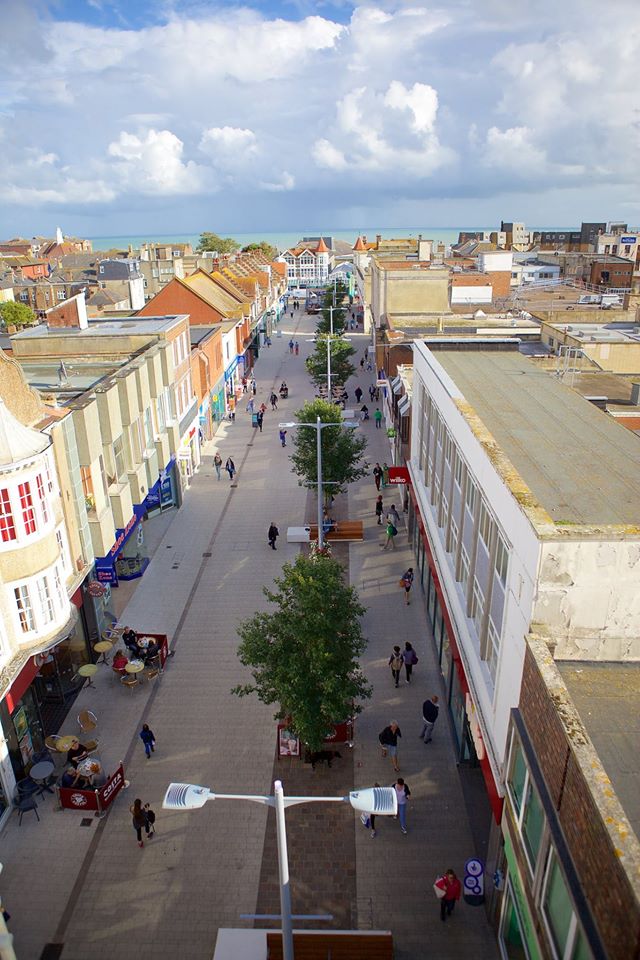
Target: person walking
point(259, 419)
point(291, 344)
point(230, 467)
point(232, 408)
point(244, 385)
point(217, 462)
point(377, 415)
point(402, 793)
point(364, 410)
point(385, 474)
point(283, 437)
point(430, 710)
point(140, 821)
point(448, 889)
point(149, 740)
point(358, 392)
point(392, 532)
point(407, 583)
point(393, 515)
point(151, 818)
point(274, 401)
point(410, 659)
point(395, 662)
point(250, 405)
point(388, 740)
point(297, 348)
point(272, 536)
point(377, 475)
point(372, 392)
point(254, 386)
point(362, 363)
point(379, 508)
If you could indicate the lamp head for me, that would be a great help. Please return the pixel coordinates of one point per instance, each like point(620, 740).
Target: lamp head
point(382, 801)
point(186, 796)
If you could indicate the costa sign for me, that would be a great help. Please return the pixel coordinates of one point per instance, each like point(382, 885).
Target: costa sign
point(96, 589)
point(112, 788)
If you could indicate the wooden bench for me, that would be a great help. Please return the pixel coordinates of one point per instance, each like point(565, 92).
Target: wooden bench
point(344, 530)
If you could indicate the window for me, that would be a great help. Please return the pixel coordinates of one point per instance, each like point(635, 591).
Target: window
point(62, 546)
point(517, 776)
point(25, 613)
point(493, 648)
point(119, 457)
point(512, 939)
point(484, 525)
point(471, 495)
point(148, 429)
point(557, 907)
point(477, 606)
point(87, 482)
point(42, 498)
point(103, 476)
point(464, 568)
point(532, 823)
point(7, 526)
point(26, 505)
point(501, 561)
point(46, 601)
point(459, 467)
point(527, 807)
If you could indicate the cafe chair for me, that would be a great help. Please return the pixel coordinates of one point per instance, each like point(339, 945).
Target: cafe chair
point(153, 674)
point(129, 681)
point(51, 743)
point(41, 755)
point(91, 746)
point(26, 787)
point(23, 805)
point(87, 721)
point(112, 634)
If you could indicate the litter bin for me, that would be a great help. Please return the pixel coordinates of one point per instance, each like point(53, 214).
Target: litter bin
point(254, 419)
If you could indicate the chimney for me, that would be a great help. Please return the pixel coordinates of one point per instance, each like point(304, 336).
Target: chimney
point(70, 313)
point(378, 238)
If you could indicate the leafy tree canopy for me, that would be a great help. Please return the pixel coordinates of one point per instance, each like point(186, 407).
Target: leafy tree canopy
point(266, 248)
point(342, 449)
point(304, 655)
point(212, 242)
point(341, 366)
point(16, 314)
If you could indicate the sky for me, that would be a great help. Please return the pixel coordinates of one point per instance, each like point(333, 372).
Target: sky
point(133, 116)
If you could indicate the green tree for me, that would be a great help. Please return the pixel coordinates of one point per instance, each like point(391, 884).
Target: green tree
point(342, 449)
point(262, 246)
point(16, 314)
point(325, 321)
point(304, 655)
point(341, 366)
point(212, 242)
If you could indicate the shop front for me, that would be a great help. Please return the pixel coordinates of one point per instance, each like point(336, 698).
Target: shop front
point(516, 932)
point(232, 377)
point(470, 748)
point(189, 454)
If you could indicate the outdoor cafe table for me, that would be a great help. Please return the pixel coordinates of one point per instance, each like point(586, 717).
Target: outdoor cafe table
point(64, 743)
point(40, 773)
point(134, 666)
point(88, 670)
point(86, 768)
point(103, 647)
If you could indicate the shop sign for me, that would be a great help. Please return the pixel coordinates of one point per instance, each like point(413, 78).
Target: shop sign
point(522, 906)
point(288, 743)
point(96, 589)
point(473, 883)
point(111, 788)
point(628, 240)
point(474, 727)
point(398, 475)
point(105, 571)
point(78, 799)
point(122, 534)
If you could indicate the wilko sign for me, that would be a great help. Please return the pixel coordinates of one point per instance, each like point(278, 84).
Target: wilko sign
point(112, 788)
point(398, 475)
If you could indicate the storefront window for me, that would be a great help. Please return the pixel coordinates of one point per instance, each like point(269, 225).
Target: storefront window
point(532, 823)
point(433, 599)
point(517, 776)
point(511, 939)
point(557, 906)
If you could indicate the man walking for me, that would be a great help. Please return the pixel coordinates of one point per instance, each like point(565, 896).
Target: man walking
point(358, 394)
point(430, 710)
point(379, 508)
point(250, 405)
point(291, 344)
point(217, 462)
point(377, 475)
point(259, 419)
point(283, 437)
point(395, 662)
point(378, 417)
point(393, 515)
point(274, 401)
point(273, 535)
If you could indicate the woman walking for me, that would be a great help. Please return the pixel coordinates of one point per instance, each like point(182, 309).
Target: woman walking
point(448, 889)
point(217, 462)
point(407, 583)
point(379, 508)
point(140, 821)
point(403, 793)
point(230, 467)
point(409, 659)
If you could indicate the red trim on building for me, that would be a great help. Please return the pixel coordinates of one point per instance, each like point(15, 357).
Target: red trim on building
point(20, 684)
point(76, 599)
point(495, 799)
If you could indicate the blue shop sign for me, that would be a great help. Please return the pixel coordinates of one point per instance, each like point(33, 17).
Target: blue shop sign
point(228, 372)
point(160, 492)
point(628, 240)
point(106, 571)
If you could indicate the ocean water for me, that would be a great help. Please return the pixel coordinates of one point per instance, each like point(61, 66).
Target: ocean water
point(282, 241)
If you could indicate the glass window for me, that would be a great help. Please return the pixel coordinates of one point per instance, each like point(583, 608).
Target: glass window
point(477, 606)
point(26, 504)
point(470, 496)
point(7, 526)
point(493, 648)
point(25, 613)
point(557, 906)
point(63, 549)
point(511, 937)
point(517, 776)
point(148, 429)
point(119, 457)
point(484, 525)
point(43, 498)
point(458, 470)
point(46, 601)
point(532, 823)
point(87, 482)
point(502, 561)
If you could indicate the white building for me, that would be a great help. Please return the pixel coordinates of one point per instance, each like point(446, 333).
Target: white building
point(524, 516)
point(306, 266)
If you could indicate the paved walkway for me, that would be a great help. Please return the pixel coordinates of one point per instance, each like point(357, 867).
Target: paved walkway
point(85, 883)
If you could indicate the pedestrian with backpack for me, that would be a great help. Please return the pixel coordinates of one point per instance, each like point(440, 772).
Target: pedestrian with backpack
point(392, 532)
point(396, 662)
point(148, 738)
point(407, 582)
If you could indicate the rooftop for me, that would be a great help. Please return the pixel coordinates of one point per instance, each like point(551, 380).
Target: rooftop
point(70, 379)
point(607, 697)
point(580, 465)
point(130, 326)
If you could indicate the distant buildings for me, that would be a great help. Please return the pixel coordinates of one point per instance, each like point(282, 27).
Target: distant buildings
point(307, 265)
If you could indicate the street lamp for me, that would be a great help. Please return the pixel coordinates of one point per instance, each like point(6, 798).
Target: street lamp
point(380, 801)
point(318, 426)
point(329, 339)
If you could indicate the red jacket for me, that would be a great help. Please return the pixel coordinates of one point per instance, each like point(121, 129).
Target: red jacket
point(452, 888)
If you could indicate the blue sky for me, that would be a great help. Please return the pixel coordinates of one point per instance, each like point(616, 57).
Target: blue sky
point(139, 117)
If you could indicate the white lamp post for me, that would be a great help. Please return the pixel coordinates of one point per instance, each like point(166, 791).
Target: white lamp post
point(380, 801)
point(318, 426)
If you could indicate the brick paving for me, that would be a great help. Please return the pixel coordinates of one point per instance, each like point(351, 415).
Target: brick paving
point(92, 890)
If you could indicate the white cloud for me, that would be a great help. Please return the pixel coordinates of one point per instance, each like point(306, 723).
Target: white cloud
point(326, 155)
point(421, 100)
point(152, 163)
point(284, 182)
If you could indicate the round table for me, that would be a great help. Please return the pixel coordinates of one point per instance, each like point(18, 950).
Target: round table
point(85, 768)
point(40, 773)
point(134, 666)
point(64, 743)
point(88, 670)
point(103, 647)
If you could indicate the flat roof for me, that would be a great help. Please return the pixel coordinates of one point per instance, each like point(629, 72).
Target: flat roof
point(580, 465)
point(80, 377)
point(111, 327)
point(607, 697)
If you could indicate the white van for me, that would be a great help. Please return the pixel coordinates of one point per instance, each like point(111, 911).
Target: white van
point(589, 298)
point(611, 300)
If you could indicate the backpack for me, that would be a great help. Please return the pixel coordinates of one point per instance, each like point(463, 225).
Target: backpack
point(392, 529)
point(396, 661)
